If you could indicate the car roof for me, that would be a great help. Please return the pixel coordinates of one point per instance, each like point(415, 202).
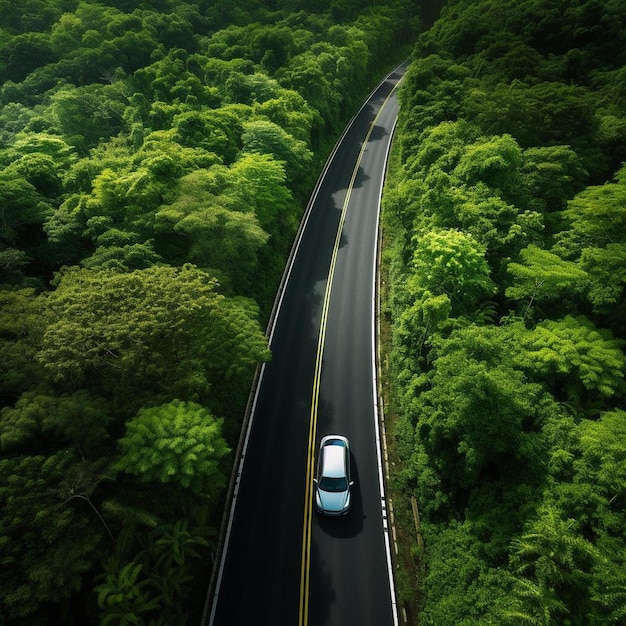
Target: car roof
point(334, 457)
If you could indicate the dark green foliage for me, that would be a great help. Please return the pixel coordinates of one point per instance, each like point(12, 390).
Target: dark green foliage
point(155, 582)
point(508, 363)
point(40, 421)
point(24, 53)
point(21, 330)
point(86, 115)
point(48, 531)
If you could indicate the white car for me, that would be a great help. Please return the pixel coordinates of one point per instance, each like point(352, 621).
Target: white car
point(332, 485)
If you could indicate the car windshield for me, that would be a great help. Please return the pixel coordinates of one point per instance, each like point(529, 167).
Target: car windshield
point(333, 484)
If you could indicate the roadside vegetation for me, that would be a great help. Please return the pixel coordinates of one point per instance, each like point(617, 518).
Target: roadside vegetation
point(505, 249)
point(155, 160)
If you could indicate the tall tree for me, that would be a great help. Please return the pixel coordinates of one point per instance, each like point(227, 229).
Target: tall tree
point(163, 333)
point(212, 232)
point(266, 137)
point(178, 442)
point(452, 263)
point(575, 358)
point(543, 277)
point(597, 216)
point(477, 415)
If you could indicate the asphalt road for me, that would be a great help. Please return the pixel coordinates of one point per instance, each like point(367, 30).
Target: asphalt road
point(283, 564)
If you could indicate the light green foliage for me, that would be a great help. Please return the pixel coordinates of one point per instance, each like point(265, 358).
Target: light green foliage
point(291, 112)
point(402, 200)
point(552, 562)
point(441, 146)
point(574, 353)
point(495, 162)
point(121, 251)
point(266, 137)
point(480, 211)
point(215, 234)
point(214, 131)
point(167, 159)
point(113, 197)
point(452, 263)
point(458, 179)
point(257, 183)
point(138, 305)
point(543, 276)
point(597, 219)
point(123, 196)
point(597, 216)
point(178, 442)
point(40, 170)
point(426, 315)
point(250, 88)
point(306, 76)
point(43, 143)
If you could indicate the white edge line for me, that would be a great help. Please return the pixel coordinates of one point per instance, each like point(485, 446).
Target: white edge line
point(218, 583)
point(377, 423)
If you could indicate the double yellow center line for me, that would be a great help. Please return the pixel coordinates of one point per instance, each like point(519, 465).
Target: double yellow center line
point(303, 616)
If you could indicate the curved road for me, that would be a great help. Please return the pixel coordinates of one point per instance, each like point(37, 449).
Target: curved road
point(283, 564)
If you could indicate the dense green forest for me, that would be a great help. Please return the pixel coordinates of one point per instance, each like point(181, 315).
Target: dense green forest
point(505, 220)
point(155, 161)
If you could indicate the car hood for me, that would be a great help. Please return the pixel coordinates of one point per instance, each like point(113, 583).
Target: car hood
point(333, 502)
